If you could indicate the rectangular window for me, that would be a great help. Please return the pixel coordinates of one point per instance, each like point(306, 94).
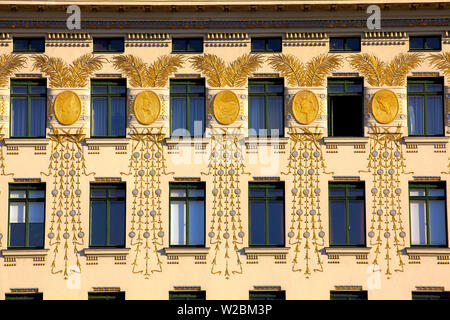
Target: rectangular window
point(26, 215)
point(187, 214)
point(348, 295)
point(266, 45)
point(28, 108)
point(419, 295)
point(187, 45)
point(103, 45)
point(347, 214)
point(425, 43)
point(33, 45)
point(187, 108)
point(266, 107)
point(117, 296)
point(187, 295)
point(345, 44)
point(425, 106)
point(266, 208)
point(427, 206)
point(267, 295)
point(37, 296)
point(107, 220)
point(345, 105)
point(109, 107)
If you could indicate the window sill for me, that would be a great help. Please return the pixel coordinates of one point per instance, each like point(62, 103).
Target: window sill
point(26, 141)
point(266, 251)
point(186, 251)
point(426, 140)
point(106, 251)
point(347, 251)
point(266, 141)
point(106, 141)
point(427, 251)
point(24, 253)
point(345, 140)
point(187, 141)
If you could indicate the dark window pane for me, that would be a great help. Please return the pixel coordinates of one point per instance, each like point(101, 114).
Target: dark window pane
point(19, 117)
point(100, 44)
point(355, 192)
point(348, 295)
point(434, 87)
point(98, 193)
point(257, 223)
point(258, 44)
point(416, 43)
point(118, 110)
point(20, 44)
point(178, 88)
point(435, 122)
point(337, 222)
point(117, 193)
point(276, 223)
point(116, 45)
point(100, 116)
point(196, 45)
point(274, 44)
point(438, 232)
point(336, 88)
point(196, 223)
point(256, 88)
point(106, 296)
point(433, 43)
point(415, 87)
point(196, 116)
point(356, 222)
point(436, 192)
point(37, 45)
point(353, 44)
point(98, 223)
point(416, 123)
point(19, 89)
point(100, 89)
point(178, 116)
point(336, 44)
point(267, 295)
point(36, 235)
point(354, 88)
point(276, 192)
point(256, 114)
point(179, 45)
point(257, 192)
point(118, 89)
point(117, 223)
point(196, 193)
point(277, 88)
point(431, 296)
point(275, 115)
point(38, 89)
point(196, 89)
point(337, 192)
point(17, 234)
point(38, 111)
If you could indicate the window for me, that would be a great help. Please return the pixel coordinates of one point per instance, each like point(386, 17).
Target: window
point(108, 45)
point(187, 214)
point(28, 108)
point(107, 215)
point(348, 295)
point(187, 105)
point(34, 45)
point(109, 108)
point(424, 43)
point(120, 295)
point(24, 296)
point(347, 214)
point(266, 109)
point(187, 45)
point(345, 105)
point(428, 214)
point(187, 295)
point(344, 44)
point(418, 295)
point(426, 106)
point(26, 215)
point(266, 44)
point(266, 207)
point(267, 295)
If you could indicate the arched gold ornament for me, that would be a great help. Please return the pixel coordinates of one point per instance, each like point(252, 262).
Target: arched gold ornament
point(226, 107)
point(305, 107)
point(67, 107)
point(147, 107)
point(385, 106)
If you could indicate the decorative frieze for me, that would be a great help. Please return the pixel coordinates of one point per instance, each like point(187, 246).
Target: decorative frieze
point(384, 38)
point(68, 39)
point(226, 39)
point(147, 40)
point(302, 39)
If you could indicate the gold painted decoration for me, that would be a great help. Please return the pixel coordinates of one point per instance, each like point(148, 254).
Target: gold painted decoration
point(147, 107)
point(67, 107)
point(226, 107)
point(143, 75)
point(62, 75)
point(220, 74)
point(306, 232)
point(311, 74)
point(67, 170)
point(387, 232)
point(9, 64)
point(385, 106)
point(226, 234)
point(378, 73)
point(305, 107)
point(147, 166)
point(441, 61)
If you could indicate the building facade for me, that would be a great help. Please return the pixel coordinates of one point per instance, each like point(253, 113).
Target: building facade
point(224, 150)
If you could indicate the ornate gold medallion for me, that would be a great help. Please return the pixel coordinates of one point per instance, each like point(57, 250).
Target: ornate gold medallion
point(385, 106)
point(67, 107)
point(305, 107)
point(147, 107)
point(226, 107)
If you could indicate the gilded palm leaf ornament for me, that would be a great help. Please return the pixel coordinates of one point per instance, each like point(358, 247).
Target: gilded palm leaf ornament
point(10, 63)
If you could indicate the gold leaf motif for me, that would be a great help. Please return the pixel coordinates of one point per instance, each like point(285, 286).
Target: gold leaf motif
point(441, 61)
point(290, 68)
point(10, 63)
point(219, 74)
point(319, 67)
point(369, 66)
point(62, 75)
